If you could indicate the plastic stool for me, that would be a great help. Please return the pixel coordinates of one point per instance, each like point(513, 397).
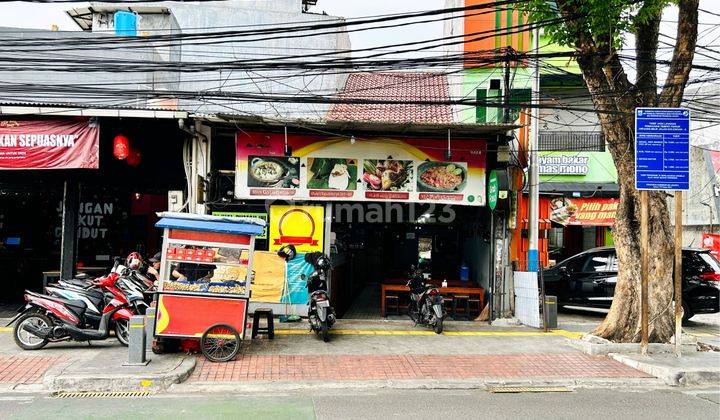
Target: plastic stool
point(390, 301)
point(269, 329)
point(465, 301)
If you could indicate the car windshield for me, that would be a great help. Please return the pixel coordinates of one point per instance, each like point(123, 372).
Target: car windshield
point(710, 261)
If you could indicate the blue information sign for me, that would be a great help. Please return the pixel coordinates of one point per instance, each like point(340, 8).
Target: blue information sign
point(662, 149)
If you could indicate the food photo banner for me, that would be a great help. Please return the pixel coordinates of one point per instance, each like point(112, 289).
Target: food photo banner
point(49, 144)
point(341, 169)
point(583, 211)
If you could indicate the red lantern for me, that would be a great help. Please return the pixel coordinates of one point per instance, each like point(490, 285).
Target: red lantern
point(134, 157)
point(121, 147)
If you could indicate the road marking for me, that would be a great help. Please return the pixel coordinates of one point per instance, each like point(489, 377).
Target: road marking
point(6, 329)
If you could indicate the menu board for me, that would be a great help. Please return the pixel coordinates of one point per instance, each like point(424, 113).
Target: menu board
point(377, 169)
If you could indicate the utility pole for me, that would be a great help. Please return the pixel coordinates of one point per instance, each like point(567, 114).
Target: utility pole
point(533, 175)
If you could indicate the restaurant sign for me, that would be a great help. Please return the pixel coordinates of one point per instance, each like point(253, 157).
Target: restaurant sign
point(49, 144)
point(345, 169)
point(563, 164)
point(583, 211)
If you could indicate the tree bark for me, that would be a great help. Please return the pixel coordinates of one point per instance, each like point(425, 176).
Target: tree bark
point(615, 100)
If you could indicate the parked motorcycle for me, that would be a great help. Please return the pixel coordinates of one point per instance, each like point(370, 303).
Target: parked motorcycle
point(426, 302)
point(82, 288)
point(47, 318)
point(321, 315)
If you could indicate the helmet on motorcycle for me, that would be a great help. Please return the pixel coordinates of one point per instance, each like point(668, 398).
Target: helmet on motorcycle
point(287, 252)
point(133, 261)
point(323, 263)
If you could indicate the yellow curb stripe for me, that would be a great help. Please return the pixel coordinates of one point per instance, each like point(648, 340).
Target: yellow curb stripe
point(6, 329)
point(563, 333)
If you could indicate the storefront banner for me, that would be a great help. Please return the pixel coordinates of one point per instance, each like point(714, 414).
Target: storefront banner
point(583, 211)
point(301, 226)
point(341, 169)
point(49, 144)
point(711, 241)
point(263, 216)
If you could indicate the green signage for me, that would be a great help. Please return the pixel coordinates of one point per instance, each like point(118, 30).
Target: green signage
point(492, 190)
point(262, 216)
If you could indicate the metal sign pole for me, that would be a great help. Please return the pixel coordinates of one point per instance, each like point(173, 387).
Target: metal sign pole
point(644, 271)
point(678, 272)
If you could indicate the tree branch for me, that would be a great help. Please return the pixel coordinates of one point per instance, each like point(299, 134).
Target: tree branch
point(683, 54)
point(646, 43)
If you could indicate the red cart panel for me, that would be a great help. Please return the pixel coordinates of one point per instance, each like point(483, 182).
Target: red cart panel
point(190, 315)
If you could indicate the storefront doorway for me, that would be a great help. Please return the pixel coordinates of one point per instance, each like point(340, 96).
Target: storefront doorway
point(376, 243)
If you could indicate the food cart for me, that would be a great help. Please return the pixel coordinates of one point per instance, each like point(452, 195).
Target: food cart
point(205, 280)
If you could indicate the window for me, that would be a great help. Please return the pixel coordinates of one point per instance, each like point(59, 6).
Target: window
point(596, 262)
point(573, 141)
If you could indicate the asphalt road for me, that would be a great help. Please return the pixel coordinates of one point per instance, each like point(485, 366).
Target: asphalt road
point(372, 404)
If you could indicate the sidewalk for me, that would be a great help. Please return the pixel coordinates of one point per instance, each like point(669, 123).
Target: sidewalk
point(363, 353)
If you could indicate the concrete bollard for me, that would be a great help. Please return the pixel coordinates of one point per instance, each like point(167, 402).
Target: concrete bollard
point(136, 345)
point(149, 328)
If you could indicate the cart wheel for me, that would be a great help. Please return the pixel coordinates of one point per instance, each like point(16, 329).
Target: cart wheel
point(220, 343)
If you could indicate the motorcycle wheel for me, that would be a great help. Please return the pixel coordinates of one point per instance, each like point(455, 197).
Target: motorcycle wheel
point(438, 327)
point(220, 343)
point(122, 331)
point(413, 313)
point(325, 332)
point(24, 339)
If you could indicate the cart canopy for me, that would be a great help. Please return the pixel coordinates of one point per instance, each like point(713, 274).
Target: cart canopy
point(233, 225)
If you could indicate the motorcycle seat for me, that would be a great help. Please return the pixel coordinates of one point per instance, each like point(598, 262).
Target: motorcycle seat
point(78, 282)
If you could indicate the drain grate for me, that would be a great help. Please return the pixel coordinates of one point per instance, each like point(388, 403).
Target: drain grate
point(519, 389)
point(115, 394)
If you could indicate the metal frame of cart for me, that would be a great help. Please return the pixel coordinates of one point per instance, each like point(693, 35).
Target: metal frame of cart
point(201, 241)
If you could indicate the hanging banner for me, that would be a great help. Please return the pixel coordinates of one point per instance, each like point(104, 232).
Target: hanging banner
point(711, 241)
point(49, 144)
point(583, 211)
point(302, 226)
point(378, 169)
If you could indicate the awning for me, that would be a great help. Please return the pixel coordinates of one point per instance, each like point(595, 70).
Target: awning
point(237, 225)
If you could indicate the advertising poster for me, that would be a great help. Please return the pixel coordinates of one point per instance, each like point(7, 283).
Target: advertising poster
point(340, 169)
point(711, 241)
point(583, 211)
point(302, 226)
point(49, 144)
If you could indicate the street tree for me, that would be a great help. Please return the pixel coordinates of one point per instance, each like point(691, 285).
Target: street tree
point(596, 30)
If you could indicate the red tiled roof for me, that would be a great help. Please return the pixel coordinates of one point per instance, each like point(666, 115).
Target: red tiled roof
point(423, 86)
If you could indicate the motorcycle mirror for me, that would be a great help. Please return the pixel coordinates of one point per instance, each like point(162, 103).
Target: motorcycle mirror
point(302, 276)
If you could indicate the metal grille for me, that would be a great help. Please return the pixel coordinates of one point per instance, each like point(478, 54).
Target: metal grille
point(518, 389)
point(116, 394)
point(574, 141)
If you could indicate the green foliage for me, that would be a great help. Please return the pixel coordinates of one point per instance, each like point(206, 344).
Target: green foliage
point(606, 21)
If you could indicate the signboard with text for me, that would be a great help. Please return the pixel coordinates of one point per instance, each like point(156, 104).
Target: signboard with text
point(49, 144)
point(322, 168)
point(662, 149)
point(583, 211)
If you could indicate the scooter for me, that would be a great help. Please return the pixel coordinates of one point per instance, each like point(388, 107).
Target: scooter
point(426, 302)
point(48, 318)
point(320, 314)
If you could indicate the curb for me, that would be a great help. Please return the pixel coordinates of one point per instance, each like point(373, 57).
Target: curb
point(672, 376)
point(469, 384)
point(119, 382)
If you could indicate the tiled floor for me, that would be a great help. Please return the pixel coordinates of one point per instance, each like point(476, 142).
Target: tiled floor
point(25, 369)
point(381, 367)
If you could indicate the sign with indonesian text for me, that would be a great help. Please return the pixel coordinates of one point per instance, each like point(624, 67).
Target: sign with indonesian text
point(49, 144)
point(302, 226)
point(304, 167)
point(583, 211)
point(563, 164)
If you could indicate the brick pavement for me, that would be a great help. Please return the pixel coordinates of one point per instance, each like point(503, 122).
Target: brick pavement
point(382, 367)
point(25, 369)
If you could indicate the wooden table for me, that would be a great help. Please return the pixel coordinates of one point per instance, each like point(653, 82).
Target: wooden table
point(445, 291)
